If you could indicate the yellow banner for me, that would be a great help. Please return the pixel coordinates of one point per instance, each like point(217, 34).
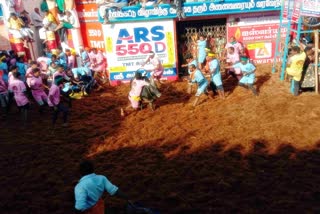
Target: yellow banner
point(170, 43)
point(109, 44)
point(117, 69)
point(255, 46)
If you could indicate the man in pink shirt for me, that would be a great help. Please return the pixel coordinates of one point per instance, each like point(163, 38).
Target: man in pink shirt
point(29, 73)
point(157, 69)
point(235, 44)
point(60, 72)
point(55, 102)
point(233, 58)
point(98, 61)
point(18, 88)
point(37, 89)
point(137, 84)
point(13, 69)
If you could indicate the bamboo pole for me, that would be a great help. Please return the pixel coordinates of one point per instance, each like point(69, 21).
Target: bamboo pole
point(316, 61)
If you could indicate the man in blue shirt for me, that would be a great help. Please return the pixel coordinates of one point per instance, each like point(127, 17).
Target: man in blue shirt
point(88, 192)
point(197, 77)
point(248, 71)
point(214, 69)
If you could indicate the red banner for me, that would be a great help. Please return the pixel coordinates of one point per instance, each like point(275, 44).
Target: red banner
point(91, 29)
point(259, 40)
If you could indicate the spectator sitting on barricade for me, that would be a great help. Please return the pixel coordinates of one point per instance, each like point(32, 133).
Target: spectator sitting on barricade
point(25, 18)
point(105, 5)
point(49, 22)
point(18, 29)
point(67, 21)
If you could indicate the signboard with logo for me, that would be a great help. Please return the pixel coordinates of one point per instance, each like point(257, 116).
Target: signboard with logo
point(310, 8)
point(258, 34)
point(128, 45)
point(191, 9)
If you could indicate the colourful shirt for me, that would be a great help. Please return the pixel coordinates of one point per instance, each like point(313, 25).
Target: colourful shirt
point(54, 95)
point(90, 189)
point(18, 88)
point(296, 66)
point(15, 24)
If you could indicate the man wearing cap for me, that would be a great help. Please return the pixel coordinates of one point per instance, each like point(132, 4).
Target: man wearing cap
point(196, 76)
point(214, 70)
point(248, 71)
point(157, 68)
point(54, 101)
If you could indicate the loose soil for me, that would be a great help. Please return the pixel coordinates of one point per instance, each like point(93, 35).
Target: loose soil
point(244, 154)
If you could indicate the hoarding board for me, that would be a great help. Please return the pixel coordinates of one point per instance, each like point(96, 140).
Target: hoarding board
point(258, 34)
point(128, 45)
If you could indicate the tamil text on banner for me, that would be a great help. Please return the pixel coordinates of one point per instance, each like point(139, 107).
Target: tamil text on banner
point(128, 45)
point(91, 29)
point(258, 34)
point(310, 8)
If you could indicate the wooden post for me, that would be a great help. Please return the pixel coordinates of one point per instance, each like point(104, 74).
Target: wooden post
point(316, 61)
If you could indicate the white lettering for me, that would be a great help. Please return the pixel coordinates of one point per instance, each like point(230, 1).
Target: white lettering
point(119, 76)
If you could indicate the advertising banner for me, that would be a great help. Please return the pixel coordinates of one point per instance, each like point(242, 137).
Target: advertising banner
point(258, 34)
point(296, 10)
point(128, 45)
point(191, 9)
point(91, 29)
point(310, 8)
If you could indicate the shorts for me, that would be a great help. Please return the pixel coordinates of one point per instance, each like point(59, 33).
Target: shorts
point(25, 107)
point(4, 100)
point(202, 88)
point(39, 96)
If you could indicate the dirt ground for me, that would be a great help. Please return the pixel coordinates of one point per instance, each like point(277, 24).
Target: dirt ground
point(244, 154)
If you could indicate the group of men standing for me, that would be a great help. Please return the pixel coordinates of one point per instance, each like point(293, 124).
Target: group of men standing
point(238, 65)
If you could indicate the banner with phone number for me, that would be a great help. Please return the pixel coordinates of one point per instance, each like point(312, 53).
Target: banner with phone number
point(128, 44)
